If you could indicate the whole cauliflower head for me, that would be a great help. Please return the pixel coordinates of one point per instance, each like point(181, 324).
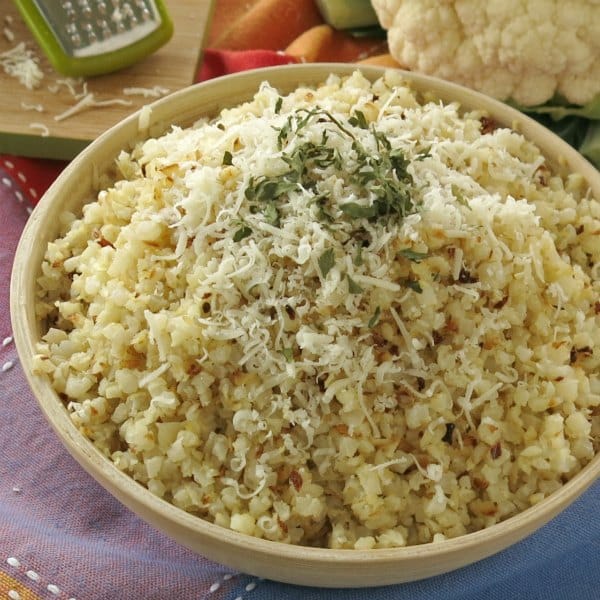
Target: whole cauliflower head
point(524, 50)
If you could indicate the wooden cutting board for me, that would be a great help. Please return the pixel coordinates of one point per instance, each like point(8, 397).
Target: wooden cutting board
point(32, 122)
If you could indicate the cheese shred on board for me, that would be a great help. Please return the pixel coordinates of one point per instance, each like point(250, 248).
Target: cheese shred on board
point(351, 316)
point(21, 63)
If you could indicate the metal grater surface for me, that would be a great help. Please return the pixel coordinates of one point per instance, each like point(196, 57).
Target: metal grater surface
point(89, 28)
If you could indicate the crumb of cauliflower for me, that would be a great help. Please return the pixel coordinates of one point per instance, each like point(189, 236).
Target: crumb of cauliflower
point(523, 50)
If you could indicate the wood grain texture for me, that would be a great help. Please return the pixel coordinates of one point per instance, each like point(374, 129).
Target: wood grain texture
point(173, 66)
point(262, 558)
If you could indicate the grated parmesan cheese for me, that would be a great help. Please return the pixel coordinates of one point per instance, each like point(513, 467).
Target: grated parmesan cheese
point(70, 83)
point(8, 34)
point(89, 101)
point(154, 92)
point(35, 107)
point(241, 332)
point(143, 125)
point(43, 129)
point(22, 64)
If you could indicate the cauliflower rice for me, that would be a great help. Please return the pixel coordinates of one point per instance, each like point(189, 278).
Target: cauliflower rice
point(250, 323)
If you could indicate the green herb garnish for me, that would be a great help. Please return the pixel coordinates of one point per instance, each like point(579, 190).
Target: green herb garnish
point(263, 189)
point(271, 213)
point(359, 211)
point(413, 284)
point(278, 105)
point(243, 232)
point(266, 191)
point(358, 259)
point(385, 176)
point(412, 255)
point(382, 175)
point(227, 158)
point(374, 319)
point(358, 120)
point(353, 287)
point(288, 354)
point(322, 213)
point(423, 154)
point(326, 261)
point(307, 157)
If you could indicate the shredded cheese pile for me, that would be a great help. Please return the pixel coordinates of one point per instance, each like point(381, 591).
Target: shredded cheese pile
point(350, 316)
point(21, 63)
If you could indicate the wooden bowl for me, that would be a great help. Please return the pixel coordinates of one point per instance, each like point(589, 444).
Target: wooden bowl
point(288, 563)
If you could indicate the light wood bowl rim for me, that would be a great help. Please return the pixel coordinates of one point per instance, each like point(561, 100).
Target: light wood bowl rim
point(263, 558)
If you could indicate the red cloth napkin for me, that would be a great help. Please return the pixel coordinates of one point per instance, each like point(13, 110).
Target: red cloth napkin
point(34, 176)
point(224, 62)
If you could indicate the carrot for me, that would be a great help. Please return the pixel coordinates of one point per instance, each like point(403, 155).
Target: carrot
point(322, 43)
point(224, 13)
point(383, 60)
point(310, 44)
point(269, 25)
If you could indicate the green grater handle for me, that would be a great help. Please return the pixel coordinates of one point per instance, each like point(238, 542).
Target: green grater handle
point(98, 64)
